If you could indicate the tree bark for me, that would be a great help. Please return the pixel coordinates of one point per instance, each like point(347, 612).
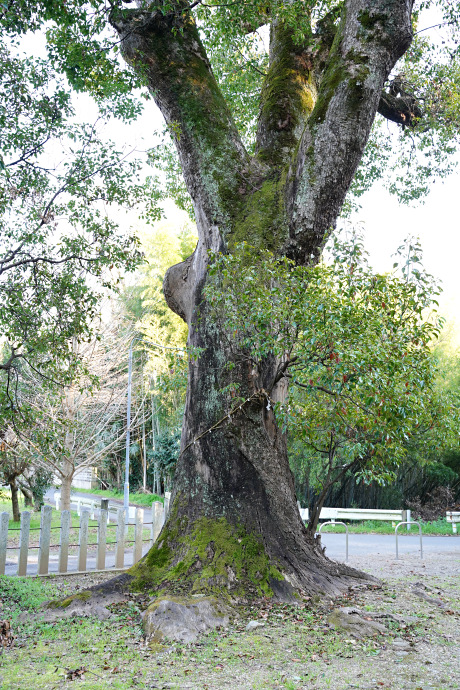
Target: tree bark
point(15, 500)
point(234, 523)
point(66, 486)
point(28, 495)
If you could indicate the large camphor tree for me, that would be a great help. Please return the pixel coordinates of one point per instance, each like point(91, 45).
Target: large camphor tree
point(234, 524)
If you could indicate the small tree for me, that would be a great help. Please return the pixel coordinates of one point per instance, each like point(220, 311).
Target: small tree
point(354, 345)
point(34, 483)
point(74, 426)
point(12, 466)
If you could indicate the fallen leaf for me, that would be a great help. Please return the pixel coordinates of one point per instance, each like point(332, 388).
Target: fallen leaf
point(76, 673)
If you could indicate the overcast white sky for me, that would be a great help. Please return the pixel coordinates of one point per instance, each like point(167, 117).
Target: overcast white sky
point(437, 223)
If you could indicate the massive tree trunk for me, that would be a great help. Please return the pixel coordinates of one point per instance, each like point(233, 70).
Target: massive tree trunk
point(234, 521)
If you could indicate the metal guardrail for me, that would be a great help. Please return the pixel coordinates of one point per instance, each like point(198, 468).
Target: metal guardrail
point(333, 522)
point(334, 514)
point(453, 516)
point(414, 522)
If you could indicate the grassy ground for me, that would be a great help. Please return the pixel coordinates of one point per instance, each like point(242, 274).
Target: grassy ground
point(138, 499)
point(296, 648)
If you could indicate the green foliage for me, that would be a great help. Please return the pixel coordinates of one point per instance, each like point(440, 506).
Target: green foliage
point(236, 37)
point(162, 345)
point(165, 454)
point(60, 247)
point(39, 483)
point(354, 346)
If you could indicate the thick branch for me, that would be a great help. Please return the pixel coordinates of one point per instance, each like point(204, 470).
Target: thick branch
point(168, 51)
point(288, 96)
point(370, 39)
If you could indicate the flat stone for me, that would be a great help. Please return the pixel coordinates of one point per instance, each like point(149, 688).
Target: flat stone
point(183, 620)
point(252, 625)
point(401, 645)
point(353, 624)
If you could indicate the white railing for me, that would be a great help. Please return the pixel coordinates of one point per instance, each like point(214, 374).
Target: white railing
point(93, 506)
point(333, 514)
point(453, 516)
point(70, 557)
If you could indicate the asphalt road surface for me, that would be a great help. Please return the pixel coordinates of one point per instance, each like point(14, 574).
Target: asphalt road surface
point(384, 544)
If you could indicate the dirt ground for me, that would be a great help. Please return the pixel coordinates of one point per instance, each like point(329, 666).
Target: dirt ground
point(294, 647)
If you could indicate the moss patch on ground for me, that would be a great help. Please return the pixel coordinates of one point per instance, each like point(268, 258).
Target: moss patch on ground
point(64, 603)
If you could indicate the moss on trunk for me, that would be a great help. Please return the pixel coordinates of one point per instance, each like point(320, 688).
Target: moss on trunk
point(211, 558)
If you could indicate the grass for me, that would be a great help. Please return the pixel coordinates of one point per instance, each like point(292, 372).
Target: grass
point(113, 654)
point(139, 499)
point(295, 649)
point(44, 653)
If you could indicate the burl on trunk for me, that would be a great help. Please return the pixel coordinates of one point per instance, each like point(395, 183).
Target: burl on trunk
point(234, 524)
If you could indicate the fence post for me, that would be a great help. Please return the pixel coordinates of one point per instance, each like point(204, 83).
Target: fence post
point(44, 542)
point(138, 529)
point(24, 543)
point(57, 498)
point(64, 541)
point(4, 520)
point(83, 541)
point(105, 506)
point(406, 518)
point(166, 503)
point(93, 503)
point(120, 545)
point(158, 519)
point(101, 539)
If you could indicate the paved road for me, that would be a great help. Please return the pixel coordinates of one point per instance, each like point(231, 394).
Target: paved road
point(384, 544)
point(11, 565)
point(358, 545)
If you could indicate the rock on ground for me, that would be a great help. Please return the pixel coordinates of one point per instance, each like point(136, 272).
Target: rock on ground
point(183, 620)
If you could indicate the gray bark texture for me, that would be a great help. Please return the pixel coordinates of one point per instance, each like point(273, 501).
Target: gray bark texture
point(316, 111)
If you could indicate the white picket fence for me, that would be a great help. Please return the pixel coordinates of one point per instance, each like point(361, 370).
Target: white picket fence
point(20, 554)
